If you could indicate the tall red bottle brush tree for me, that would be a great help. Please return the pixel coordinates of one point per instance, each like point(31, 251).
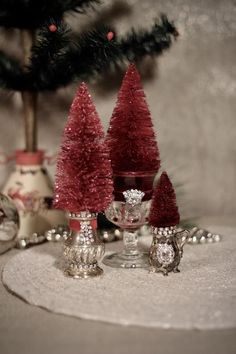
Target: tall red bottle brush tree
point(131, 137)
point(84, 175)
point(164, 210)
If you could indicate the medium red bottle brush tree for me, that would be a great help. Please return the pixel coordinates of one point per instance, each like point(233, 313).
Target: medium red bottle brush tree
point(164, 210)
point(83, 175)
point(131, 137)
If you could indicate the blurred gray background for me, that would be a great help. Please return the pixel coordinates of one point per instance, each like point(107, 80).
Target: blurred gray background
point(190, 90)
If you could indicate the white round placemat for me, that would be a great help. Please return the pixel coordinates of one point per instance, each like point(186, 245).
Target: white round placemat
point(202, 296)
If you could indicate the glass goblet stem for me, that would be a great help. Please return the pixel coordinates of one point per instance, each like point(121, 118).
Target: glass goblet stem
point(130, 239)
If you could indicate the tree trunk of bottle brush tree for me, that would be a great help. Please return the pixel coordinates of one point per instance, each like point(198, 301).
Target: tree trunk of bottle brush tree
point(29, 99)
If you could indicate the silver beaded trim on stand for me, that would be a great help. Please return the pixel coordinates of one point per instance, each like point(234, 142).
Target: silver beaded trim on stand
point(164, 231)
point(86, 232)
point(82, 215)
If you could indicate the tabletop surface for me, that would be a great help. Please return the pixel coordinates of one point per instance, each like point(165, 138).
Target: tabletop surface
point(28, 329)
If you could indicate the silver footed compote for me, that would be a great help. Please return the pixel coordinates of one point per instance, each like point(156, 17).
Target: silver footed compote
point(129, 215)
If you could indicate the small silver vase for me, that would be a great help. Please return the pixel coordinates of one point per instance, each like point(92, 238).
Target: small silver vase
point(82, 248)
point(166, 250)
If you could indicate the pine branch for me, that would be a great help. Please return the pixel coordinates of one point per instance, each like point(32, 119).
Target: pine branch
point(46, 52)
point(92, 54)
point(11, 73)
point(56, 61)
point(32, 14)
point(153, 42)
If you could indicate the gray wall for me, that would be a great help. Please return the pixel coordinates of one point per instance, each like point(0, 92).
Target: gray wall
point(191, 93)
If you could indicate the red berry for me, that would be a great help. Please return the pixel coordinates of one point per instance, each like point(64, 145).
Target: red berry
point(110, 35)
point(52, 28)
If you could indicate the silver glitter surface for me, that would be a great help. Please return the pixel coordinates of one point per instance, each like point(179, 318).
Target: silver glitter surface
point(202, 296)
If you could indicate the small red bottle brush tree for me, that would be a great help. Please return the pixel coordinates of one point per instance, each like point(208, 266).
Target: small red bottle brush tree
point(167, 245)
point(84, 176)
point(164, 210)
point(131, 137)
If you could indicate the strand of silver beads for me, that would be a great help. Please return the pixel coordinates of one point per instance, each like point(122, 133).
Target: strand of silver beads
point(165, 231)
point(201, 236)
point(61, 232)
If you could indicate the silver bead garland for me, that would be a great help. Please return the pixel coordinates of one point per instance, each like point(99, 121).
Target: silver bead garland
point(61, 232)
point(201, 236)
point(56, 234)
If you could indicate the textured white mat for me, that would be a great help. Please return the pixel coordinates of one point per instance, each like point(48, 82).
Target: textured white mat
point(202, 296)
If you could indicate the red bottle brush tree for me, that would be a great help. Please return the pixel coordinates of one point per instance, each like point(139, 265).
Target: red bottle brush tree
point(84, 175)
point(164, 211)
point(131, 137)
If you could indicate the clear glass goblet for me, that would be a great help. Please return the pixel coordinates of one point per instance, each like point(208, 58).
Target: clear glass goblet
point(129, 215)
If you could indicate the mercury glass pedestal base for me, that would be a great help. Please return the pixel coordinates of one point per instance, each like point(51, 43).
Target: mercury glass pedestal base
point(121, 260)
